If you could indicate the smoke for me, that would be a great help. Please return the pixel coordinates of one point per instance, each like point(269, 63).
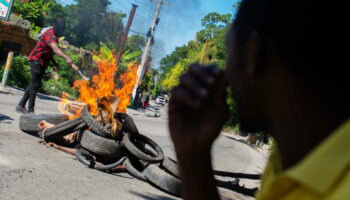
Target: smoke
point(178, 23)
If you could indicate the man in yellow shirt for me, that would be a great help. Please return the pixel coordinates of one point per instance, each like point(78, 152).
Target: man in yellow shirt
point(276, 53)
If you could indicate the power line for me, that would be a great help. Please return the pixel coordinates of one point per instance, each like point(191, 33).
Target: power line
point(137, 32)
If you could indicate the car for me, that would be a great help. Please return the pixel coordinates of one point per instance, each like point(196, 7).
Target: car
point(166, 98)
point(160, 100)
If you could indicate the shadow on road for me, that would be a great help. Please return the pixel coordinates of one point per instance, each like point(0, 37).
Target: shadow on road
point(5, 118)
point(238, 139)
point(45, 97)
point(39, 95)
point(151, 197)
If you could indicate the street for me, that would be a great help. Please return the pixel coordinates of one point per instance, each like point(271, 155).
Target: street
point(29, 170)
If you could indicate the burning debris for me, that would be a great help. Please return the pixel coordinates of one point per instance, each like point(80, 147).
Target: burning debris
point(103, 88)
point(103, 96)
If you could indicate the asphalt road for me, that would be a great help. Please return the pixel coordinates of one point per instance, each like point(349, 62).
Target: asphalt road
point(29, 170)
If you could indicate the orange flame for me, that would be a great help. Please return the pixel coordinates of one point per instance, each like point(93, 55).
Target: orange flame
point(103, 86)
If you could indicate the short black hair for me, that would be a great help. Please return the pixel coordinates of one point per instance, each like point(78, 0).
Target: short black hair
point(59, 26)
point(299, 32)
point(280, 21)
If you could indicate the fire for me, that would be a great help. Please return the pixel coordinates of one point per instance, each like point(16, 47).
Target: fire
point(103, 87)
point(125, 92)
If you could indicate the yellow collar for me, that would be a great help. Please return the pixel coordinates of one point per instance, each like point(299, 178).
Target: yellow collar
point(324, 166)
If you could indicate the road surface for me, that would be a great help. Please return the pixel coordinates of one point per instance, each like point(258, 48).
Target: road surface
point(29, 170)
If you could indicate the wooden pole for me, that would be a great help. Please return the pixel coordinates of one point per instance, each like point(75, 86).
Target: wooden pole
point(145, 53)
point(125, 35)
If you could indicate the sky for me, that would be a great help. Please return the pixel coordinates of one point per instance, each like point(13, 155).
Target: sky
point(180, 20)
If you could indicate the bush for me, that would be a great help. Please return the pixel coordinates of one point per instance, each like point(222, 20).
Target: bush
point(56, 88)
point(19, 75)
point(67, 78)
point(64, 70)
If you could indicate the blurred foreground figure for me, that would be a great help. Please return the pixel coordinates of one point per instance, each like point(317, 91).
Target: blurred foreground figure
point(277, 51)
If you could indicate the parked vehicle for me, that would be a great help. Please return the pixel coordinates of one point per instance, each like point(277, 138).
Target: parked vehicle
point(166, 98)
point(160, 100)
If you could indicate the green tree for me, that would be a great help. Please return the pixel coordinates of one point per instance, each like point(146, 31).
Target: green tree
point(213, 24)
point(88, 23)
point(169, 61)
point(33, 11)
point(38, 12)
point(135, 43)
point(209, 48)
point(147, 82)
point(172, 78)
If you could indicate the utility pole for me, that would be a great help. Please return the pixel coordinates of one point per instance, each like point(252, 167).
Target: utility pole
point(141, 69)
point(125, 35)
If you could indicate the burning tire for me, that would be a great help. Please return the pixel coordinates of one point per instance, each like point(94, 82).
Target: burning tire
point(63, 129)
point(96, 126)
point(99, 145)
point(87, 159)
point(163, 180)
point(128, 140)
point(29, 122)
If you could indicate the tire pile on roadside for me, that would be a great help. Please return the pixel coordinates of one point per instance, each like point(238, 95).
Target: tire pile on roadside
point(96, 148)
point(142, 157)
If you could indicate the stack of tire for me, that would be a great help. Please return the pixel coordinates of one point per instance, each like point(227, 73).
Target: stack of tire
point(142, 157)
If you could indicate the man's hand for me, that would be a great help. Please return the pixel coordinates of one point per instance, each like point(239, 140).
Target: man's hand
point(69, 61)
point(197, 110)
point(60, 53)
point(75, 68)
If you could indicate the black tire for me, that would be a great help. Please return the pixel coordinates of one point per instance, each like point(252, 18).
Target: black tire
point(131, 168)
point(237, 175)
point(99, 145)
point(82, 154)
point(96, 126)
point(171, 166)
point(133, 149)
point(130, 126)
point(29, 122)
point(63, 129)
point(163, 180)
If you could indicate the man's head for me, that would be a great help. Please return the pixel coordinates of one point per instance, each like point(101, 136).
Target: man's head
point(274, 46)
point(59, 26)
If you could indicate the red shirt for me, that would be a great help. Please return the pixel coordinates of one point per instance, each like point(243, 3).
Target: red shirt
point(42, 51)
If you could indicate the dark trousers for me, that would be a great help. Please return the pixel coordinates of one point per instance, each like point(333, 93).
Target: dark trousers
point(37, 73)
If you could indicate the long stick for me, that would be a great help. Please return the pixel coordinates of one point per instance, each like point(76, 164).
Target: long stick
point(7, 68)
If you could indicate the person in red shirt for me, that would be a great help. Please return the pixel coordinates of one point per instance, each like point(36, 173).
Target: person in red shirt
point(39, 59)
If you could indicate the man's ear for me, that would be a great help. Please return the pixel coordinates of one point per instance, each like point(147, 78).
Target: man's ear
point(254, 54)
